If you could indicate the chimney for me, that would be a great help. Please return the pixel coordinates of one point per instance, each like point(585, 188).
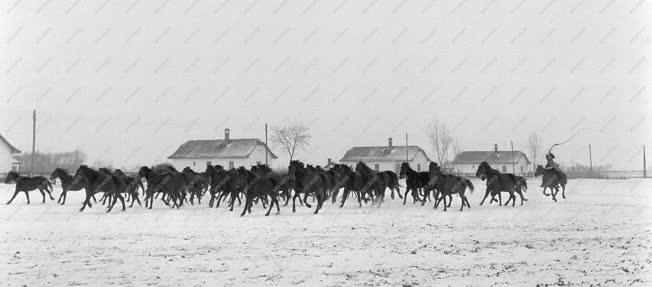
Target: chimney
point(227, 133)
point(329, 161)
point(496, 147)
point(389, 142)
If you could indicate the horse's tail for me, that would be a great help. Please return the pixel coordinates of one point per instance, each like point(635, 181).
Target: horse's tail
point(470, 184)
point(524, 184)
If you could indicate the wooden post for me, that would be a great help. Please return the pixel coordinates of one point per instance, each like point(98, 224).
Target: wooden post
point(644, 164)
point(513, 168)
point(266, 146)
point(407, 157)
point(32, 170)
point(590, 159)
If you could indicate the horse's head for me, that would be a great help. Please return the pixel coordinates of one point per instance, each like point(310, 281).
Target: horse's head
point(404, 169)
point(482, 170)
point(433, 166)
point(81, 173)
point(361, 167)
point(144, 171)
point(539, 171)
point(11, 176)
point(57, 173)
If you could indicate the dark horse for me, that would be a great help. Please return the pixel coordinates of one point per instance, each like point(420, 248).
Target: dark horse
point(166, 180)
point(67, 184)
point(414, 180)
point(498, 182)
point(259, 186)
point(27, 184)
point(552, 179)
point(350, 180)
point(306, 182)
point(97, 181)
point(449, 184)
point(374, 183)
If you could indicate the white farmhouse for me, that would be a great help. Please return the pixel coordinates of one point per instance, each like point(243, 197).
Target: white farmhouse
point(387, 157)
point(467, 162)
point(227, 152)
point(7, 160)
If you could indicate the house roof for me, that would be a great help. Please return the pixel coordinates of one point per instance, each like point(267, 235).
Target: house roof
point(11, 147)
point(382, 153)
point(233, 148)
point(492, 157)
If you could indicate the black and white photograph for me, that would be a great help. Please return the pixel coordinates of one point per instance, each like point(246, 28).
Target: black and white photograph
point(325, 143)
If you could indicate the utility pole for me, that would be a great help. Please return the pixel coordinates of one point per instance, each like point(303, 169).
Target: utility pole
point(407, 158)
point(513, 169)
point(644, 164)
point(266, 146)
point(590, 159)
point(33, 142)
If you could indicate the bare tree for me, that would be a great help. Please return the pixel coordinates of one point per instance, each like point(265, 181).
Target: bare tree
point(442, 141)
point(291, 137)
point(535, 145)
point(456, 148)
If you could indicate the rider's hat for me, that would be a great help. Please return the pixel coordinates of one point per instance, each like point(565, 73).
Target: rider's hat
point(552, 156)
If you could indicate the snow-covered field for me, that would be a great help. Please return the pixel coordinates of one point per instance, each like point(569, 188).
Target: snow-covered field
point(600, 235)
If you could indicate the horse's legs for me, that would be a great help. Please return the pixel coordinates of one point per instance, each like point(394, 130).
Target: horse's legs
point(486, 193)
point(407, 189)
point(42, 193)
point(63, 191)
point(122, 200)
point(563, 191)
point(462, 200)
point(426, 196)
point(345, 195)
point(294, 202)
point(14, 196)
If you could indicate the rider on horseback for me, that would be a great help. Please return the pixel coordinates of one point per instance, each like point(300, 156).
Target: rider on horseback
point(552, 165)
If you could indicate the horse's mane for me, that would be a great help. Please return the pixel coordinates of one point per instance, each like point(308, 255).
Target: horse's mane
point(163, 168)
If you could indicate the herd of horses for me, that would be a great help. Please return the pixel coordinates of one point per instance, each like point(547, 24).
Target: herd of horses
point(261, 185)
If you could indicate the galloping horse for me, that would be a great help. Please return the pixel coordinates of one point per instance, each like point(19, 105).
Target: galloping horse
point(67, 184)
point(97, 181)
point(414, 181)
point(552, 179)
point(27, 184)
point(449, 184)
point(501, 182)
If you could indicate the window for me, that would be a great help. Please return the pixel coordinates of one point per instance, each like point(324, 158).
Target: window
point(193, 163)
point(231, 165)
point(521, 169)
point(504, 168)
point(398, 167)
point(376, 167)
point(418, 167)
point(15, 167)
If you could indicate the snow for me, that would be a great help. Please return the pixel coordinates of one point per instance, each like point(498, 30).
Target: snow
point(599, 235)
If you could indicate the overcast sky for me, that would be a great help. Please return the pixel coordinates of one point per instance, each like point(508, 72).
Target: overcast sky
point(129, 81)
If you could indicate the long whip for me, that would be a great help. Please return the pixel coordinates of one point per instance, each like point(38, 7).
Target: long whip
point(564, 142)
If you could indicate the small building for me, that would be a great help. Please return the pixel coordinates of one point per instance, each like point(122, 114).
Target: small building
point(227, 152)
point(7, 160)
point(387, 157)
point(467, 162)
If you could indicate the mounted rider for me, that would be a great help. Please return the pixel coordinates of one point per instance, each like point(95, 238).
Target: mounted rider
point(552, 165)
